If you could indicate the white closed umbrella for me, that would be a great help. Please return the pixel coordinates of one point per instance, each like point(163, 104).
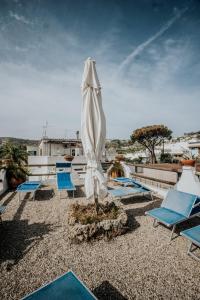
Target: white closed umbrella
point(93, 132)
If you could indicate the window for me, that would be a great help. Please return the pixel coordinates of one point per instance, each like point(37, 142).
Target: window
point(73, 152)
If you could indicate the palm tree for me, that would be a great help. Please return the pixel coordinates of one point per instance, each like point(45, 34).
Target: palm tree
point(13, 159)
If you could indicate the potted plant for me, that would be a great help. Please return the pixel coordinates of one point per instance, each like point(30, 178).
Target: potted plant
point(68, 157)
point(14, 160)
point(189, 160)
point(116, 170)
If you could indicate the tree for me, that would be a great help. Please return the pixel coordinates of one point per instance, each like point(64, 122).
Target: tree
point(13, 159)
point(150, 137)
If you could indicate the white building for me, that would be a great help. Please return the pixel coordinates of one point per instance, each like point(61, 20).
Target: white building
point(195, 147)
point(32, 150)
point(60, 147)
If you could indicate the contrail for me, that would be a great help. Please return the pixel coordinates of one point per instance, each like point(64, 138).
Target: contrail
point(144, 45)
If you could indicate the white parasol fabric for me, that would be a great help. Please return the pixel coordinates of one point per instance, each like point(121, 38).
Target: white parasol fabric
point(93, 131)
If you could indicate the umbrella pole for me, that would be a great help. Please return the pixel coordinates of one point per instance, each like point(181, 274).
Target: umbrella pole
point(96, 197)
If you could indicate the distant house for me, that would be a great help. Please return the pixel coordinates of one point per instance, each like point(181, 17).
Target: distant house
point(195, 147)
point(60, 147)
point(33, 150)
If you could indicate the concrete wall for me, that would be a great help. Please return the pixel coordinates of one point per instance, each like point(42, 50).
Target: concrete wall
point(159, 174)
point(43, 167)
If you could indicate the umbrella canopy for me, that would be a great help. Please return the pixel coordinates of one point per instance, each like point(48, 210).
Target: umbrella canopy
point(93, 131)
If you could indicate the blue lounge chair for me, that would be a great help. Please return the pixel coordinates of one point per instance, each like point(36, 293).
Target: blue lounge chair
point(175, 208)
point(67, 286)
point(64, 179)
point(28, 186)
point(64, 182)
point(126, 181)
point(193, 235)
point(125, 192)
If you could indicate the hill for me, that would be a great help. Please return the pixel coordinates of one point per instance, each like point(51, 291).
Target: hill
point(19, 141)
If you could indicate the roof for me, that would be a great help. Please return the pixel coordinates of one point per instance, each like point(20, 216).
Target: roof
point(61, 141)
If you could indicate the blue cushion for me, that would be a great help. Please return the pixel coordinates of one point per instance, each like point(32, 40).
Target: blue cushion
point(193, 234)
point(126, 191)
point(65, 287)
point(166, 216)
point(179, 202)
point(117, 192)
point(125, 180)
point(64, 181)
point(29, 186)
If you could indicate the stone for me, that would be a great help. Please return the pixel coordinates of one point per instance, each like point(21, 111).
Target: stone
point(108, 228)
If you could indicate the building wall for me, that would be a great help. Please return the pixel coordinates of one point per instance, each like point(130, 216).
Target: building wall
point(51, 149)
point(32, 150)
point(43, 167)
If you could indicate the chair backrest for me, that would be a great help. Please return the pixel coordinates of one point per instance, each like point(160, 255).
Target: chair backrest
point(179, 202)
point(64, 180)
point(63, 165)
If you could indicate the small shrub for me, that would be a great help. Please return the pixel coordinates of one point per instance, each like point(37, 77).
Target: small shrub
point(86, 214)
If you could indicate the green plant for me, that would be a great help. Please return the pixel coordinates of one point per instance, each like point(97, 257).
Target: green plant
point(116, 169)
point(165, 158)
point(86, 214)
point(13, 160)
point(150, 137)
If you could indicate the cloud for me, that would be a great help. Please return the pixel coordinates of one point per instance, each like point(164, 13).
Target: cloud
point(150, 40)
point(41, 69)
point(20, 18)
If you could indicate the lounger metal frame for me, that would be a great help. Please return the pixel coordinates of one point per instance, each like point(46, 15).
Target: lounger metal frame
point(190, 250)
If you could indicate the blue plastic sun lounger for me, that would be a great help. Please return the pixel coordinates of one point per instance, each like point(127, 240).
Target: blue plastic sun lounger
point(126, 181)
point(65, 287)
point(64, 182)
point(29, 186)
point(175, 208)
point(125, 192)
point(193, 235)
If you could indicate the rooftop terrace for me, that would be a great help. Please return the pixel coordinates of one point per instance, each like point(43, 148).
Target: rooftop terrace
point(141, 264)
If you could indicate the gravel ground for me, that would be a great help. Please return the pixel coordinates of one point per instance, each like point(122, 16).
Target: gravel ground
point(141, 264)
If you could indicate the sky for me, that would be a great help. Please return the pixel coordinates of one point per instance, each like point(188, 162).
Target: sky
point(147, 56)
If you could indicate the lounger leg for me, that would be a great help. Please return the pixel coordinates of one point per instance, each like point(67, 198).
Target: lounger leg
point(155, 223)
point(173, 229)
point(190, 251)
